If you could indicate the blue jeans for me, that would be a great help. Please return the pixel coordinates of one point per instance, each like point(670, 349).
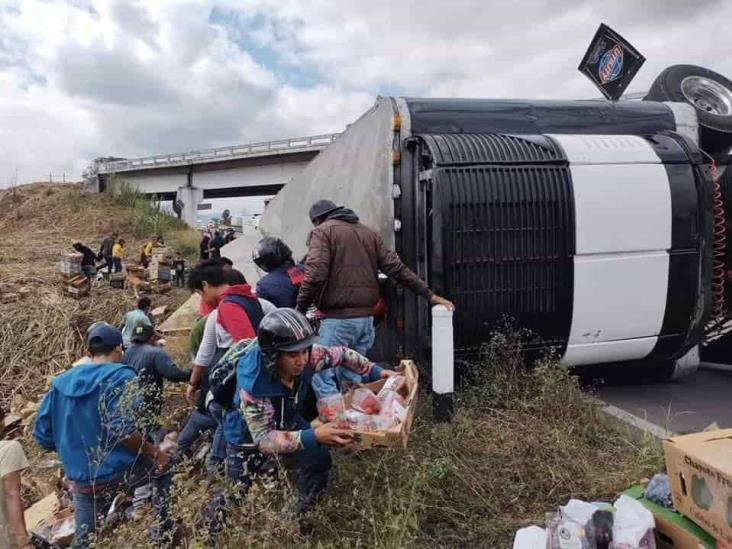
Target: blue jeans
point(355, 333)
point(198, 424)
point(91, 507)
point(244, 463)
point(237, 457)
point(108, 264)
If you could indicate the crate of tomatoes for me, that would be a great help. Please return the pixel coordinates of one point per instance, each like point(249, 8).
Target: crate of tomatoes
point(379, 413)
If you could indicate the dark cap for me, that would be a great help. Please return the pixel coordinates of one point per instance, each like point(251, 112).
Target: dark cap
point(142, 333)
point(104, 336)
point(321, 208)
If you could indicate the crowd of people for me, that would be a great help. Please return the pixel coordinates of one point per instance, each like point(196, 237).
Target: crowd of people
point(212, 240)
point(258, 364)
point(112, 252)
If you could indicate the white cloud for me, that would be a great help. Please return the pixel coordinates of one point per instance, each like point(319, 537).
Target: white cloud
point(86, 78)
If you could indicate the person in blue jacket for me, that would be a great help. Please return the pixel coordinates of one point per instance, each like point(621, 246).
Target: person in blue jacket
point(273, 381)
point(274, 374)
point(282, 281)
point(153, 367)
point(87, 418)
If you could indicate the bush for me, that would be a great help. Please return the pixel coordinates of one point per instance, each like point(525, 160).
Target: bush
point(147, 216)
point(184, 241)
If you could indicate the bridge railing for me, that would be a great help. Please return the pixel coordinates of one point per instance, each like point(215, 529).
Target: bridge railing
point(313, 142)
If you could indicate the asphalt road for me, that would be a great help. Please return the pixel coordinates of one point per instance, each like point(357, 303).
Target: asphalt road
point(688, 405)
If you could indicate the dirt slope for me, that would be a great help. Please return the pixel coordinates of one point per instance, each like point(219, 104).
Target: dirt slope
point(42, 333)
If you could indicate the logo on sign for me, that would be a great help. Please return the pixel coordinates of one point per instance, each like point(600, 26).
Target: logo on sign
point(611, 64)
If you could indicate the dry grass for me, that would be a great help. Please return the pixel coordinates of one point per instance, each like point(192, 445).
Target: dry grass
point(43, 333)
point(521, 443)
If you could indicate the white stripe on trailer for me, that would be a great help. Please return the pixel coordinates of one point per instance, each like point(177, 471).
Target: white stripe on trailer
point(618, 297)
point(622, 202)
point(609, 351)
point(621, 208)
point(606, 149)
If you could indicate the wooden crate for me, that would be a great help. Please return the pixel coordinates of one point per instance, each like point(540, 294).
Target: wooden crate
point(397, 435)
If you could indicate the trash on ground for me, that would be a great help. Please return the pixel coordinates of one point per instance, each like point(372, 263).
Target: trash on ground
point(581, 525)
point(673, 530)
point(159, 311)
point(659, 491)
point(51, 521)
point(633, 525)
point(531, 537)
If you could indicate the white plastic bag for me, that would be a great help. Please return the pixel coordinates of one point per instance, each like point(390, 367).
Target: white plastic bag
point(578, 511)
point(634, 525)
point(531, 537)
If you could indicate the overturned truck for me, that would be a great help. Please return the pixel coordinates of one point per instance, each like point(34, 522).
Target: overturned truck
point(590, 223)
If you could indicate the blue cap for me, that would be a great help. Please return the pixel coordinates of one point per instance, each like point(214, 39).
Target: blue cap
point(104, 335)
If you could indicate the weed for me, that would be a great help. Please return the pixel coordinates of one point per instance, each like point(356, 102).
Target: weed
point(147, 216)
point(522, 442)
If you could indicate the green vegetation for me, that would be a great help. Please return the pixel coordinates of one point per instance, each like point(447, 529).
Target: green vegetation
point(148, 218)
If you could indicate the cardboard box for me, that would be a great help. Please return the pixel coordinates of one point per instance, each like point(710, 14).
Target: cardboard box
point(700, 472)
point(673, 530)
point(399, 434)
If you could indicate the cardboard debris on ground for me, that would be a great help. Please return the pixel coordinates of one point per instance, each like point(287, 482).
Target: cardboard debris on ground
point(138, 271)
point(41, 486)
point(25, 410)
point(159, 311)
point(41, 511)
point(77, 286)
point(182, 319)
point(51, 522)
point(700, 475)
point(12, 421)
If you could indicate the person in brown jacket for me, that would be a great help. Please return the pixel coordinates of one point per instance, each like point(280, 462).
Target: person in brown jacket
point(341, 276)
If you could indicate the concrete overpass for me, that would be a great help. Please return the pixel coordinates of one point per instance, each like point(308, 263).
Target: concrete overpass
point(254, 169)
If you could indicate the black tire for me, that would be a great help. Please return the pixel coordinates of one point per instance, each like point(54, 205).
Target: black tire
point(702, 88)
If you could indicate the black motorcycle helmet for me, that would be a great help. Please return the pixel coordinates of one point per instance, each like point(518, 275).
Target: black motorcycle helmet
point(285, 330)
point(270, 253)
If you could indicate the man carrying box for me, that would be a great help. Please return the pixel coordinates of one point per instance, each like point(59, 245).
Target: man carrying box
point(273, 379)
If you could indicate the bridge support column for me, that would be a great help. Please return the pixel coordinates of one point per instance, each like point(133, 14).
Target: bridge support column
point(188, 199)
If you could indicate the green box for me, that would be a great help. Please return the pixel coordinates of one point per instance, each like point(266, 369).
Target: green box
point(673, 530)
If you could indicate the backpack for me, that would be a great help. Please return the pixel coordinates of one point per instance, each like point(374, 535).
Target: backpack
point(222, 377)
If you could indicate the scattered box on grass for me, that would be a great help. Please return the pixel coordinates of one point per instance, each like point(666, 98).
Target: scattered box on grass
point(700, 473)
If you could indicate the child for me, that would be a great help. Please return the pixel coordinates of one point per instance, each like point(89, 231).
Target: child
point(118, 254)
point(179, 266)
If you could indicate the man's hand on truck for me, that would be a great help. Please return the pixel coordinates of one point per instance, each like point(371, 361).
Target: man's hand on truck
point(439, 300)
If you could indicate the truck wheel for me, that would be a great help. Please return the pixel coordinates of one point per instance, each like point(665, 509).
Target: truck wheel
point(709, 93)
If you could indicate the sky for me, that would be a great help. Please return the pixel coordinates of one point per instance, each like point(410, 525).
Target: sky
point(80, 79)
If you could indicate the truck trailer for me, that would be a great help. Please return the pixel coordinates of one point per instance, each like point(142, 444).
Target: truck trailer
point(598, 226)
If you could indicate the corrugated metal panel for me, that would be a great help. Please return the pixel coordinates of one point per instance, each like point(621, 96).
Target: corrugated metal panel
point(470, 148)
point(503, 229)
point(508, 243)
